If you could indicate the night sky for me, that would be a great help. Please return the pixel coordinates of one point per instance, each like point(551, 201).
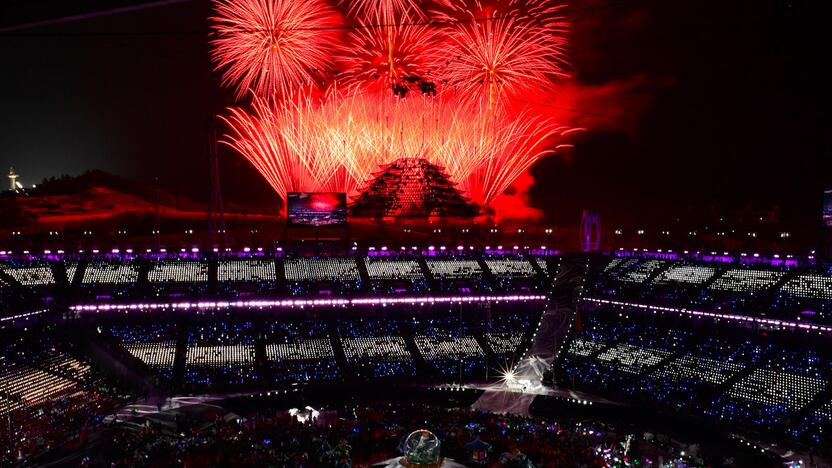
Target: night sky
point(692, 106)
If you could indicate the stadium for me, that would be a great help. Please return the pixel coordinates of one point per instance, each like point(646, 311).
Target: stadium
point(141, 345)
point(369, 233)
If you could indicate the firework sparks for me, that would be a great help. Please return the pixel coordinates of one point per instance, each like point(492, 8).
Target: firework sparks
point(337, 143)
point(470, 62)
point(271, 46)
point(494, 52)
point(384, 57)
point(384, 11)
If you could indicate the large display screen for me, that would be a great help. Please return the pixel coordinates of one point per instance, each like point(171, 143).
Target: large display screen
point(316, 208)
point(827, 208)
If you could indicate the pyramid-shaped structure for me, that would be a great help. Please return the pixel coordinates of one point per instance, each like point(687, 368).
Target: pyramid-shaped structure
point(411, 187)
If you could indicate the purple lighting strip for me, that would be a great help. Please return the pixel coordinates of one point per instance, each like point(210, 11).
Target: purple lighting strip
point(20, 316)
point(730, 317)
point(266, 303)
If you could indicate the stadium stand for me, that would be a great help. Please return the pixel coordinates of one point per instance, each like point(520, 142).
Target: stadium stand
point(376, 348)
point(322, 275)
point(449, 347)
point(300, 351)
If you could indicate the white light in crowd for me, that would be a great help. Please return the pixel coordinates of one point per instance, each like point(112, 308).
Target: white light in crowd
point(459, 247)
point(246, 249)
point(115, 251)
point(383, 247)
point(195, 250)
point(129, 251)
point(95, 251)
point(431, 248)
point(47, 252)
point(163, 250)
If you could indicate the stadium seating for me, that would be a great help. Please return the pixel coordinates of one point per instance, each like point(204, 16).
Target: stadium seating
point(246, 271)
point(71, 269)
point(110, 273)
point(746, 281)
point(154, 344)
point(300, 351)
point(178, 271)
point(31, 276)
point(220, 354)
point(809, 287)
point(641, 272)
point(510, 267)
point(457, 275)
point(376, 348)
point(454, 269)
point(513, 273)
point(316, 275)
point(786, 383)
point(395, 275)
point(45, 391)
point(686, 274)
point(449, 347)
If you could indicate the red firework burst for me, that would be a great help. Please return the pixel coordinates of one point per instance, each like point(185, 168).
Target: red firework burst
point(272, 46)
point(501, 49)
point(384, 11)
point(479, 55)
point(385, 56)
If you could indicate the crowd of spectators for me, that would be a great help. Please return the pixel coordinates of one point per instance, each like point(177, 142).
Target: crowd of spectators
point(798, 294)
point(220, 354)
point(365, 435)
point(376, 348)
point(34, 283)
point(48, 395)
point(730, 375)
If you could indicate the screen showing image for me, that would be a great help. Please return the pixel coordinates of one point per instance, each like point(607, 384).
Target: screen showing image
point(316, 208)
point(827, 208)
